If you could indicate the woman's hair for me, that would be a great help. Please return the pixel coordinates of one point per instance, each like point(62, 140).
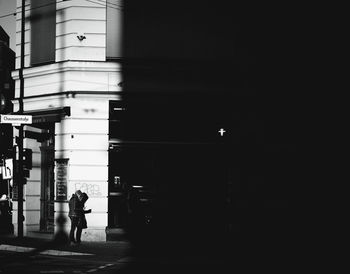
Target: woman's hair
point(84, 197)
point(78, 193)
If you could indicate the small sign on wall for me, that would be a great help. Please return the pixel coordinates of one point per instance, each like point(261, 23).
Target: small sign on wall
point(61, 179)
point(7, 169)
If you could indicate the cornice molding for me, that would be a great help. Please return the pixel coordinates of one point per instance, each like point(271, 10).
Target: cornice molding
point(86, 66)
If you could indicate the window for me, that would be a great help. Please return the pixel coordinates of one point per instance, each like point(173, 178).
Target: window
point(43, 31)
point(114, 29)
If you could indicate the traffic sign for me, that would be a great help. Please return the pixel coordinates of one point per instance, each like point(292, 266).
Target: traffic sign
point(16, 119)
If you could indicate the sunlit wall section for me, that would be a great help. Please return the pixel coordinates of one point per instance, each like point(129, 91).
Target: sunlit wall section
point(81, 30)
point(84, 145)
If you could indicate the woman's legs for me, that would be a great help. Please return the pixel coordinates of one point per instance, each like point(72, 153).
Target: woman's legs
point(73, 226)
point(79, 230)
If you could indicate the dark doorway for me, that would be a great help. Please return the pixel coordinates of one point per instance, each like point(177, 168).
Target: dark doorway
point(132, 183)
point(47, 181)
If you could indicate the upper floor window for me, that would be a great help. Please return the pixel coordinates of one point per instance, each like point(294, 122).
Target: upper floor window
point(43, 31)
point(114, 29)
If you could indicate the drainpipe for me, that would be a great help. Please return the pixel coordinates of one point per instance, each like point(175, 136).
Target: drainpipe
point(20, 217)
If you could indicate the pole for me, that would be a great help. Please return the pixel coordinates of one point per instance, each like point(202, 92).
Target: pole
point(20, 217)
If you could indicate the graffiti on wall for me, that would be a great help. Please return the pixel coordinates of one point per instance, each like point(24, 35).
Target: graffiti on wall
point(92, 190)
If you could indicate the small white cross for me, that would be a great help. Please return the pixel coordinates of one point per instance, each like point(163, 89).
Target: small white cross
point(222, 131)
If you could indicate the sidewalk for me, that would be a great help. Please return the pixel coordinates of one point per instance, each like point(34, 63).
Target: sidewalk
point(165, 256)
point(46, 246)
point(117, 250)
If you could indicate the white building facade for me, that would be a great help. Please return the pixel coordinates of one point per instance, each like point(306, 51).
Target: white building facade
point(125, 104)
point(68, 84)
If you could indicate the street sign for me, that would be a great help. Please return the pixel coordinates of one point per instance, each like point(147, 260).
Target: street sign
point(16, 119)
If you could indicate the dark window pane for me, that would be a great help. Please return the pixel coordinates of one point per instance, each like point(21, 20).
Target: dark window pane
point(114, 29)
point(43, 31)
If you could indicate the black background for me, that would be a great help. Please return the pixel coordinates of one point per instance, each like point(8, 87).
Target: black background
point(241, 60)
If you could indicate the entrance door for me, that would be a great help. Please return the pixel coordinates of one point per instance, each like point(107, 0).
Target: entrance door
point(47, 183)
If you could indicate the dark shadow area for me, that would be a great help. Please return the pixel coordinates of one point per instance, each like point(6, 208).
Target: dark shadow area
point(203, 156)
point(222, 66)
point(171, 163)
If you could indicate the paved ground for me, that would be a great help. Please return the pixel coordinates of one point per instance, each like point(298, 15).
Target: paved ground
point(51, 264)
point(245, 255)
